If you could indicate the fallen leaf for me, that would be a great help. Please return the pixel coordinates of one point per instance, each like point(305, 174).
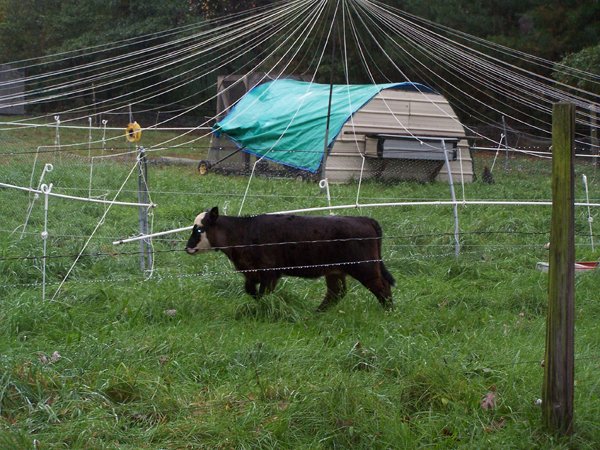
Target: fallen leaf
point(489, 401)
point(495, 425)
point(447, 432)
point(283, 405)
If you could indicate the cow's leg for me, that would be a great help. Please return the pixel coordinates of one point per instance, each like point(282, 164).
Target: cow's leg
point(382, 290)
point(267, 284)
point(373, 280)
point(250, 287)
point(336, 289)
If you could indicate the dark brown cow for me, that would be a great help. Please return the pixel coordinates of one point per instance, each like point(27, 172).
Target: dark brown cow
point(266, 247)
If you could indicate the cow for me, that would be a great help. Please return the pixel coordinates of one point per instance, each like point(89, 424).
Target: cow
point(266, 247)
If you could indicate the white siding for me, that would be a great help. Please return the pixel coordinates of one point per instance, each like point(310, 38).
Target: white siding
point(403, 113)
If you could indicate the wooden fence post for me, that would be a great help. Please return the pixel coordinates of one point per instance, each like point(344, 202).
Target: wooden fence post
point(559, 369)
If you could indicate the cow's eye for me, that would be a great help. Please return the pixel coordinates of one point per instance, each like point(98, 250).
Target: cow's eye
point(199, 230)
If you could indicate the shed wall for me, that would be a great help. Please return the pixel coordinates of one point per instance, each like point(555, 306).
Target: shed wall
point(404, 113)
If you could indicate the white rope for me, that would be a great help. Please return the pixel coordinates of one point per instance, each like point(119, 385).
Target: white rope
point(404, 76)
point(146, 56)
point(125, 43)
point(378, 205)
point(435, 42)
point(516, 54)
point(81, 199)
point(303, 28)
point(502, 137)
point(159, 92)
point(299, 107)
point(98, 225)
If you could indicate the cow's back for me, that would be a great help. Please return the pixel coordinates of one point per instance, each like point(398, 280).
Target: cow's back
point(310, 246)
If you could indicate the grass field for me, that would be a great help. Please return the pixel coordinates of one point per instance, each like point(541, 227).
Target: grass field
point(186, 360)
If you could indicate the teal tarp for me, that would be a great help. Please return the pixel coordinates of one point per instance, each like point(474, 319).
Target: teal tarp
point(285, 120)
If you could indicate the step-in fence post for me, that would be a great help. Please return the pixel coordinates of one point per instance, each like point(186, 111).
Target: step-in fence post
point(46, 189)
point(143, 196)
point(455, 206)
point(47, 169)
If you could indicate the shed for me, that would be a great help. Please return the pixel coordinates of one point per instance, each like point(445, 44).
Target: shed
point(394, 131)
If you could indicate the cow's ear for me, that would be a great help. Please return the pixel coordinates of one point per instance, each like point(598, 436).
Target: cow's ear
point(213, 214)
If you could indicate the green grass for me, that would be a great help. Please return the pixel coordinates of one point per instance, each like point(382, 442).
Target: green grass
point(187, 360)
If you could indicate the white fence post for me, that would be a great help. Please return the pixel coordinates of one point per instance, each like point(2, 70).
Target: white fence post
point(46, 190)
point(47, 168)
point(455, 206)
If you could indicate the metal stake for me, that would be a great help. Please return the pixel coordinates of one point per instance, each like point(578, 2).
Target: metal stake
point(455, 207)
point(145, 247)
point(590, 218)
point(47, 168)
point(46, 190)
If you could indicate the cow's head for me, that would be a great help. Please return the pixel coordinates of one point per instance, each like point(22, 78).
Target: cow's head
point(198, 241)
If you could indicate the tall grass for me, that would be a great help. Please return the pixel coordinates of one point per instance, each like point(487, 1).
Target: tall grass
point(187, 360)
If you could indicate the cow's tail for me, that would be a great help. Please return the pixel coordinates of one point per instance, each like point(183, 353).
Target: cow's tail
point(386, 274)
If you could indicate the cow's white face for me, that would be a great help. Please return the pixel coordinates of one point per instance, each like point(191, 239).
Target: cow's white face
point(198, 241)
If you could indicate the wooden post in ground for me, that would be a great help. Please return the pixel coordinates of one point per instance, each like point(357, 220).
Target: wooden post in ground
point(559, 370)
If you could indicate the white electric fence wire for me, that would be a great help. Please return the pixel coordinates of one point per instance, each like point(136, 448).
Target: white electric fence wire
point(110, 46)
point(213, 118)
point(214, 34)
point(497, 151)
point(406, 32)
point(247, 49)
point(434, 104)
point(352, 124)
point(479, 62)
point(487, 56)
point(367, 3)
point(390, 38)
point(299, 107)
point(357, 40)
point(98, 225)
point(448, 166)
point(516, 54)
point(206, 273)
point(442, 49)
point(430, 203)
point(309, 21)
point(232, 41)
point(81, 199)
